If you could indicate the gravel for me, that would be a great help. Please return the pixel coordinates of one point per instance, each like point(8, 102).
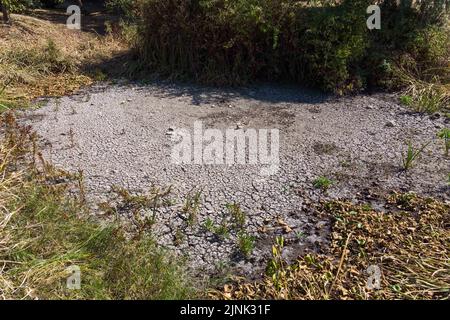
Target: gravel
point(123, 135)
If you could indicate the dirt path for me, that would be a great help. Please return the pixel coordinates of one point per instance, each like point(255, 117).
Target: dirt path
point(124, 135)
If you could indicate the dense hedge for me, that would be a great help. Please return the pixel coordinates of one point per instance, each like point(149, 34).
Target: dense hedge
point(235, 41)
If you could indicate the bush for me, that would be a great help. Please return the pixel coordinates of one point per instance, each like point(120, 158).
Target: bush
point(327, 45)
point(45, 228)
point(123, 7)
point(17, 6)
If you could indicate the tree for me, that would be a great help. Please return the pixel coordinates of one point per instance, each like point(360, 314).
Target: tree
point(5, 12)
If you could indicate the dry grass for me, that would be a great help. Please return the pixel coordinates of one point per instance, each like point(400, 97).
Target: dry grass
point(410, 244)
point(426, 96)
point(40, 58)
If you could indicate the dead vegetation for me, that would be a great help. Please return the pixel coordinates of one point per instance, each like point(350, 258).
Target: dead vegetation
point(409, 245)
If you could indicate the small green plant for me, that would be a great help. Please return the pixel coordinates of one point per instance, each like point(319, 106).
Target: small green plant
point(444, 134)
point(192, 206)
point(300, 235)
point(246, 243)
point(209, 225)
point(412, 155)
point(406, 100)
point(237, 215)
point(277, 266)
point(222, 230)
point(322, 183)
point(143, 207)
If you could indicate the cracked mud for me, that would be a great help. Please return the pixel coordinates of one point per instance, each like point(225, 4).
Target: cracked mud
point(121, 135)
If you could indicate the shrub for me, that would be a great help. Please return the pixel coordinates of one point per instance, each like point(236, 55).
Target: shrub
point(414, 42)
point(228, 42)
point(124, 7)
point(322, 183)
point(326, 44)
point(51, 3)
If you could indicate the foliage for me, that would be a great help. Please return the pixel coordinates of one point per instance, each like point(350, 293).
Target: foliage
point(50, 3)
point(246, 243)
point(227, 42)
point(122, 7)
point(322, 183)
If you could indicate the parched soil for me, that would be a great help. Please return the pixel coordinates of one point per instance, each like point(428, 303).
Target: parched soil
point(124, 134)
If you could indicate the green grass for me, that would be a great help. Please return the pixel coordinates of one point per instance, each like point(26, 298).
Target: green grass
point(406, 100)
point(191, 207)
point(411, 155)
point(237, 215)
point(323, 183)
point(246, 243)
point(44, 230)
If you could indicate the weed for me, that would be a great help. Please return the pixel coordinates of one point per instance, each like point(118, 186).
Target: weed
point(409, 247)
point(209, 225)
point(322, 183)
point(142, 207)
point(246, 243)
point(192, 206)
point(444, 134)
point(276, 268)
point(300, 235)
point(412, 155)
point(237, 215)
point(406, 100)
point(222, 230)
